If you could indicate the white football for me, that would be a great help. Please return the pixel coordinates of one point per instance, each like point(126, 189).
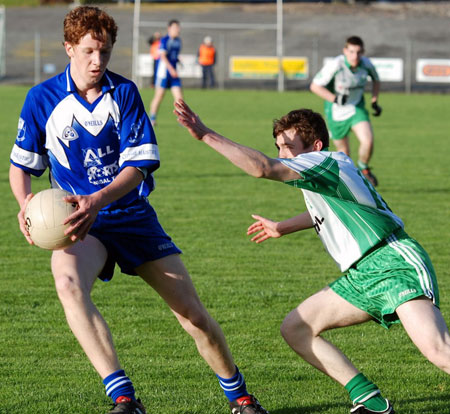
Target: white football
point(44, 216)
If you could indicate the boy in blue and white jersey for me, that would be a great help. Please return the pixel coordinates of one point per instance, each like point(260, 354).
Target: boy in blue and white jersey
point(166, 74)
point(341, 83)
point(73, 137)
point(388, 276)
point(88, 126)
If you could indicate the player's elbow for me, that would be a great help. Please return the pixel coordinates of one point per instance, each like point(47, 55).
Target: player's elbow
point(264, 171)
point(256, 170)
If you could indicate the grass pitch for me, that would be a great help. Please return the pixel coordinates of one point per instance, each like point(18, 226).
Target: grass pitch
point(205, 203)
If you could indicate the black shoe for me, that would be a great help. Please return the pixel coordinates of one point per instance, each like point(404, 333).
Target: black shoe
point(361, 409)
point(369, 176)
point(247, 405)
point(125, 405)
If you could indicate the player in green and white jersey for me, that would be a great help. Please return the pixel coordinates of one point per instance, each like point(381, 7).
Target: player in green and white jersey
point(388, 277)
point(341, 83)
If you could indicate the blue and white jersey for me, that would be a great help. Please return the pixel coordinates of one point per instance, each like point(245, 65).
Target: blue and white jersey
point(86, 145)
point(171, 48)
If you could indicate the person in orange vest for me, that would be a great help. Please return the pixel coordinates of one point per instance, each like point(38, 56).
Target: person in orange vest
point(154, 42)
point(207, 58)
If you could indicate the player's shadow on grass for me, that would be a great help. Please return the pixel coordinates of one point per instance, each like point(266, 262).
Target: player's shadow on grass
point(313, 409)
point(432, 405)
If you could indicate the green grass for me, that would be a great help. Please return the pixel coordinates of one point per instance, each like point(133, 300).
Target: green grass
point(205, 203)
point(15, 3)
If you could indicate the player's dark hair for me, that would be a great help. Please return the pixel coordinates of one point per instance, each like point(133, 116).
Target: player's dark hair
point(355, 40)
point(309, 125)
point(173, 21)
point(88, 19)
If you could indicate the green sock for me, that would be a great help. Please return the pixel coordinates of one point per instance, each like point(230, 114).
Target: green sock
point(363, 391)
point(362, 165)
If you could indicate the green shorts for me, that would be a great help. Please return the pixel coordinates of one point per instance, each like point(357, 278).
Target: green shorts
point(395, 272)
point(341, 129)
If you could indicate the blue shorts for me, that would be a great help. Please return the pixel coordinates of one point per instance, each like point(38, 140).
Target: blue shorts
point(167, 82)
point(132, 237)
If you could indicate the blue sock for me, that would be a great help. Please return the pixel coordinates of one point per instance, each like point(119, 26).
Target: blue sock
point(118, 384)
point(233, 387)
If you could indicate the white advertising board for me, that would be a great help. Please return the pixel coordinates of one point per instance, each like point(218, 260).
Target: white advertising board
point(187, 67)
point(433, 70)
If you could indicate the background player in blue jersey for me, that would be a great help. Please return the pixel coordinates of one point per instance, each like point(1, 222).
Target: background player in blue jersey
point(166, 73)
point(389, 276)
point(89, 127)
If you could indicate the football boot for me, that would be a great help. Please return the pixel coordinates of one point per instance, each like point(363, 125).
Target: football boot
point(125, 405)
point(361, 409)
point(247, 405)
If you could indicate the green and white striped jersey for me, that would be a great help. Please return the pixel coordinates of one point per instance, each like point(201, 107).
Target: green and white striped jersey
point(338, 77)
point(349, 215)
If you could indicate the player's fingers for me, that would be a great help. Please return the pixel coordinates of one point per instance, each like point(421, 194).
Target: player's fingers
point(182, 106)
point(74, 217)
point(72, 199)
point(24, 205)
point(76, 222)
point(261, 236)
point(256, 217)
point(82, 231)
point(255, 227)
point(24, 229)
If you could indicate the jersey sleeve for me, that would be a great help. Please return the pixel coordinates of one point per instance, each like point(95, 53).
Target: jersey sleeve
point(138, 146)
point(29, 151)
point(319, 172)
point(163, 44)
point(371, 70)
point(327, 73)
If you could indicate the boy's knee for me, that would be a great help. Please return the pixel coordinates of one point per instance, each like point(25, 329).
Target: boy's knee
point(67, 288)
point(195, 319)
point(292, 325)
point(438, 353)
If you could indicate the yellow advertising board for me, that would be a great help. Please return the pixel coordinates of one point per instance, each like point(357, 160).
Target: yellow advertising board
point(266, 67)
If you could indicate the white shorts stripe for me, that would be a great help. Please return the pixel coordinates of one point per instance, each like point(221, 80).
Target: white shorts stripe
point(416, 261)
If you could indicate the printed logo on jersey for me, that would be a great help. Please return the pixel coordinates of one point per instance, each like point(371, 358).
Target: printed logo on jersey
point(136, 134)
point(317, 223)
point(69, 134)
point(102, 175)
point(93, 123)
point(92, 156)
point(97, 172)
point(21, 130)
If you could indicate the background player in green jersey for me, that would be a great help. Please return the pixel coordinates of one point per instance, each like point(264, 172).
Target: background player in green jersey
point(388, 276)
point(341, 84)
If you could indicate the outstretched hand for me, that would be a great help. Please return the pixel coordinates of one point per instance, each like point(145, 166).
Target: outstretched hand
point(190, 120)
point(267, 229)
